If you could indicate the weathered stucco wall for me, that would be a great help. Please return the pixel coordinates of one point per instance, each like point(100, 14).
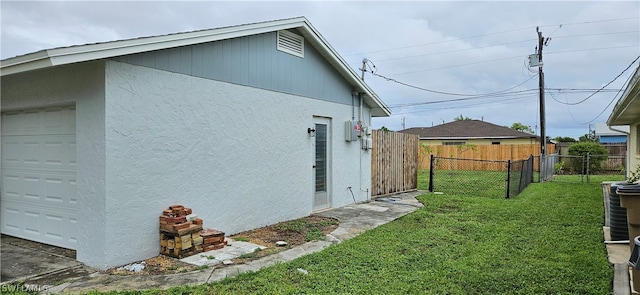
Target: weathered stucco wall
point(239, 156)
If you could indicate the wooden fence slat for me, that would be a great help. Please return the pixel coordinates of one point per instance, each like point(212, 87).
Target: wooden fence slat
point(394, 162)
point(483, 152)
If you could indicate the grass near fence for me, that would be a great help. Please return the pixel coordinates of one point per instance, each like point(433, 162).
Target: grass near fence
point(492, 183)
point(577, 178)
point(466, 182)
point(546, 241)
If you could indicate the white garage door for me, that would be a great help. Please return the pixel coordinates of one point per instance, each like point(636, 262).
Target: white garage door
point(38, 200)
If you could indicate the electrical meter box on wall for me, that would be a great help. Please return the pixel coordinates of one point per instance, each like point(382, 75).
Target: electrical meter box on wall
point(351, 130)
point(367, 144)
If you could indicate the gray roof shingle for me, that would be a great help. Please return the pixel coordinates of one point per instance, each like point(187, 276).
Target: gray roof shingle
point(467, 129)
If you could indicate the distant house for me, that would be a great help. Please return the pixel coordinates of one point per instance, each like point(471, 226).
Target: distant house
point(627, 112)
point(243, 124)
point(613, 134)
point(473, 132)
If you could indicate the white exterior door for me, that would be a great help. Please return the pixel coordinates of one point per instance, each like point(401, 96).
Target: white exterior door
point(38, 185)
point(322, 164)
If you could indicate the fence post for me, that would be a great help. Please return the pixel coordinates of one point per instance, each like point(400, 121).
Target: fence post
point(431, 168)
point(588, 160)
point(529, 170)
point(508, 177)
point(542, 174)
point(584, 168)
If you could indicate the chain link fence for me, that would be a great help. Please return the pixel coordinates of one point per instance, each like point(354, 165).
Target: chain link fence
point(567, 168)
point(487, 178)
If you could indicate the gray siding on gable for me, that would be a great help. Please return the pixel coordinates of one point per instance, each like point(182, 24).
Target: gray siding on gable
point(252, 61)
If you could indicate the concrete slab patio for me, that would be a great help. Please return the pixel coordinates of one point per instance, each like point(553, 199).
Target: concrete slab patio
point(71, 276)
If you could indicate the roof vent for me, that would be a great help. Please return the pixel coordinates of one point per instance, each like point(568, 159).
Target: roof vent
point(291, 43)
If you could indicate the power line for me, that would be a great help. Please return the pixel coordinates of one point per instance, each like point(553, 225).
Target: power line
point(520, 93)
point(451, 51)
point(605, 108)
point(592, 49)
point(600, 21)
point(511, 57)
point(507, 43)
point(468, 105)
point(599, 34)
point(488, 34)
point(605, 86)
point(443, 92)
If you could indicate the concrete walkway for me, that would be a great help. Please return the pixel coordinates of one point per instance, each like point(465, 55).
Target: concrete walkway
point(618, 255)
point(354, 219)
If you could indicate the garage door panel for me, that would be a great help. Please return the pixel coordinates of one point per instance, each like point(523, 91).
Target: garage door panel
point(11, 218)
point(60, 120)
point(12, 186)
point(35, 223)
point(39, 199)
point(52, 189)
point(53, 152)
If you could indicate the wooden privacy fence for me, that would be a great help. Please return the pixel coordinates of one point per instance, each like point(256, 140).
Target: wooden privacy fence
point(497, 152)
point(394, 162)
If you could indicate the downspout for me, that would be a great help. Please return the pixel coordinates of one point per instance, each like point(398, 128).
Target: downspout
point(362, 142)
point(353, 104)
point(360, 113)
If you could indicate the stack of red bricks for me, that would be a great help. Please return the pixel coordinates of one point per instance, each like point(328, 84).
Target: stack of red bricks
point(181, 233)
point(213, 239)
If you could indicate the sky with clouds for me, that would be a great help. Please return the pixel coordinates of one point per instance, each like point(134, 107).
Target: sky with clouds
point(429, 61)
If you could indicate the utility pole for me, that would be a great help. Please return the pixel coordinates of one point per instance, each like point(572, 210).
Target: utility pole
point(543, 135)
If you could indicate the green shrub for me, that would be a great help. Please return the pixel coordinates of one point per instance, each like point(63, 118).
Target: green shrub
point(597, 153)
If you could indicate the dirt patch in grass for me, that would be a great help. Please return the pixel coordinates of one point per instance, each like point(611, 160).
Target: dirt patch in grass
point(158, 265)
point(293, 232)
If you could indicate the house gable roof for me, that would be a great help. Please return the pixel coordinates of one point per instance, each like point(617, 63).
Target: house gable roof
point(467, 129)
point(81, 53)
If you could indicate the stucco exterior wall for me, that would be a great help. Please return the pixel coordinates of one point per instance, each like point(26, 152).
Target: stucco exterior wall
point(43, 88)
point(239, 156)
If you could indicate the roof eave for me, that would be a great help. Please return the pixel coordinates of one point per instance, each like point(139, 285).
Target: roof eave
point(378, 107)
point(627, 109)
point(80, 53)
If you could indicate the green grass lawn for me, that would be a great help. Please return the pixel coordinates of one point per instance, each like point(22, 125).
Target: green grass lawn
point(548, 240)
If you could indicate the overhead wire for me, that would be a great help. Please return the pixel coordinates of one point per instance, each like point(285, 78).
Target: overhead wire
point(516, 95)
point(605, 108)
point(510, 100)
point(605, 86)
point(615, 97)
point(506, 43)
point(489, 34)
point(444, 92)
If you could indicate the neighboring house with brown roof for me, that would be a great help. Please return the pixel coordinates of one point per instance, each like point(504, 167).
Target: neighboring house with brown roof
point(473, 132)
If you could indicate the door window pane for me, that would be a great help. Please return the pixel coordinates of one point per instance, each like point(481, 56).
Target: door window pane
point(321, 157)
